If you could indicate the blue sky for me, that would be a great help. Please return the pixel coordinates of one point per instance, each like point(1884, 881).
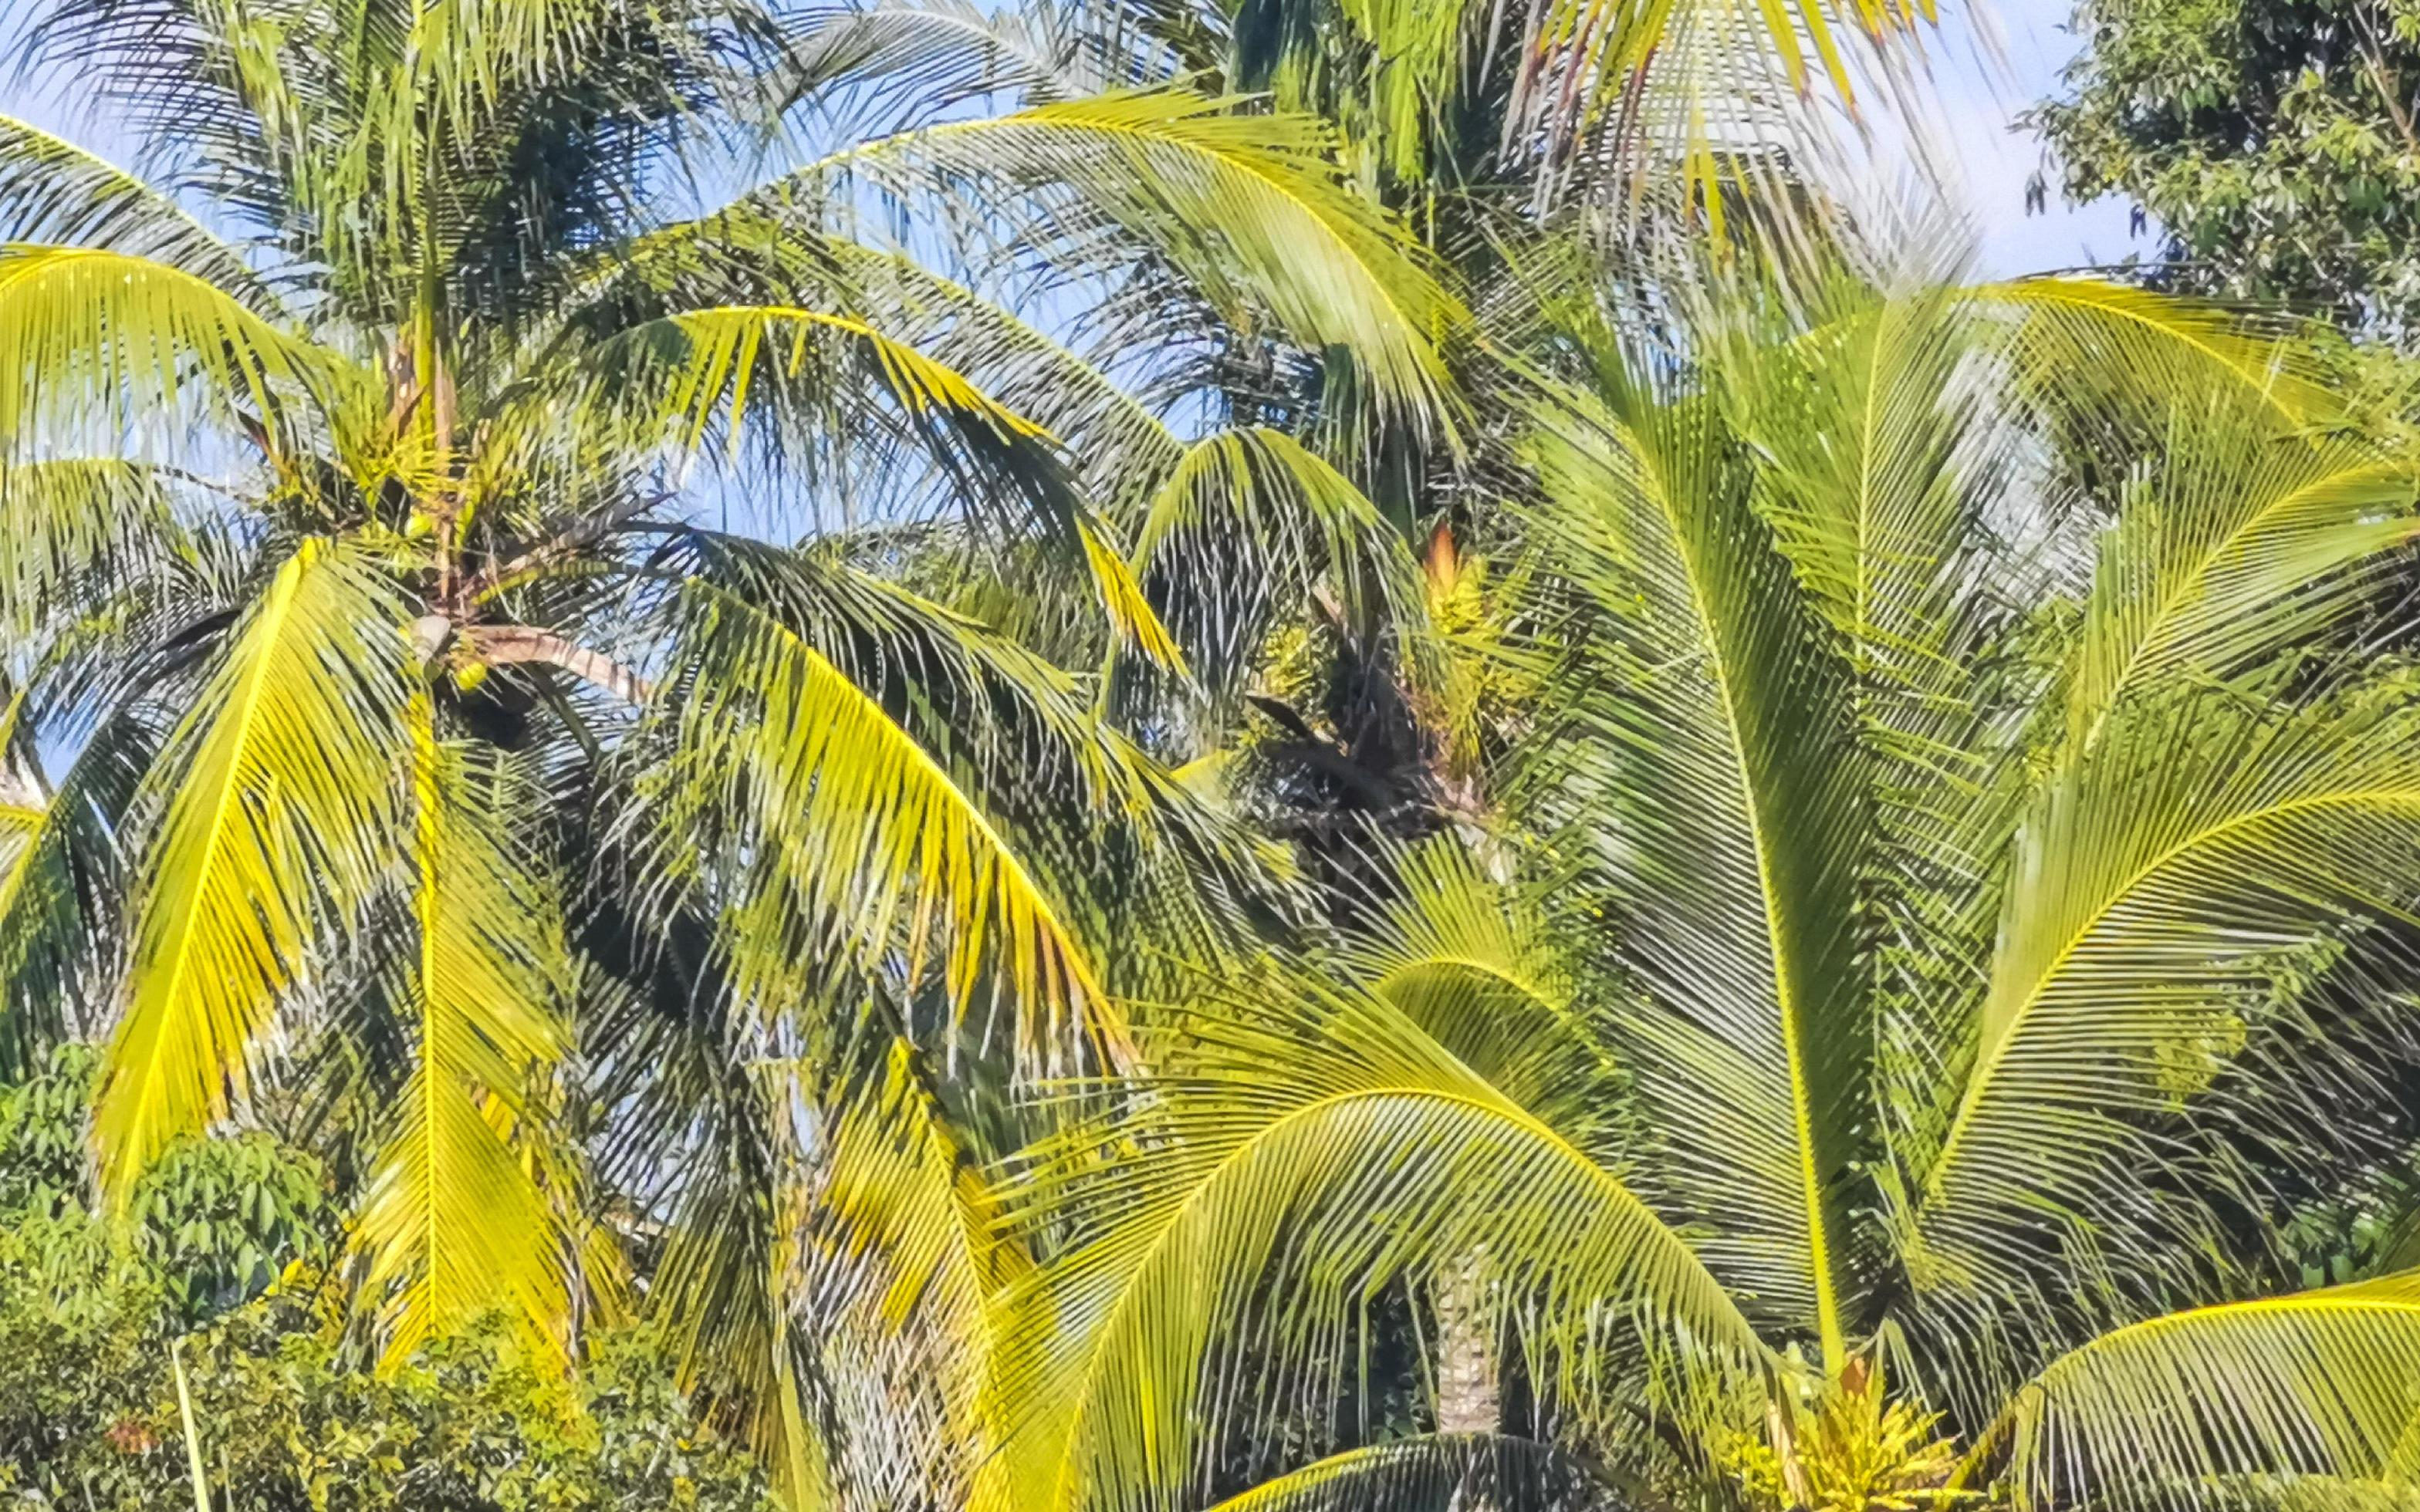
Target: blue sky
point(1977, 88)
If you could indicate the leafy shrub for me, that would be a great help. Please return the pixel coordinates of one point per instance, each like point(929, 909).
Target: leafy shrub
point(225, 1250)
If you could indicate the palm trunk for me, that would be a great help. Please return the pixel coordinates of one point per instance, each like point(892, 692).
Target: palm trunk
point(1470, 1396)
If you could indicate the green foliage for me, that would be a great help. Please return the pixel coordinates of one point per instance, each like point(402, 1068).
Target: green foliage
point(2273, 145)
point(1730, 884)
point(228, 1248)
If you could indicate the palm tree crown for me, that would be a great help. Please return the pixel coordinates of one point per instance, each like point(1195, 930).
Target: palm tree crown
point(1969, 844)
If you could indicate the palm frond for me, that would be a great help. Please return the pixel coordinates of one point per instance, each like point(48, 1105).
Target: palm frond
point(1715, 733)
point(80, 530)
point(1303, 1149)
point(277, 818)
point(59, 889)
point(1436, 1472)
point(726, 1282)
point(2089, 334)
point(53, 190)
point(804, 376)
point(1251, 209)
point(2242, 543)
point(1473, 960)
point(2170, 891)
point(857, 840)
point(1130, 615)
point(899, 64)
point(459, 1220)
point(1243, 530)
point(2314, 1384)
point(900, 1262)
point(95, 336)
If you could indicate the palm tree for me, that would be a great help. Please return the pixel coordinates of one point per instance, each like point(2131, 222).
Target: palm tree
point(1961, 933)
point(441, 786)
point(1481, 124)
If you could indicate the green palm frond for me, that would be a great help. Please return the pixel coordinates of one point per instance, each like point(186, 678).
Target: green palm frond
point(900, 1262)
point(907, 62)
point(2241, 543)
point(1115, 442)
point(1250, 209)
point(80, 530)
point(1248, 525)
point(1305, 1149)
point(726, 1281)
point(1436, 1473)
point(459, 1220)
point(2168, 892)
point(1130, 616)
point(1876, 443)
point(852, 838)
point(1474, 962)
point(803, 376)
point(53, 190)
point(60, 889)
point(28, 1029)
point(96, 335)
point(2089, 334)
point(277, 818)
point(2314, 1384)
point(973, 689)
point(1580, 100)
point(1718, 731)
point(475, 51)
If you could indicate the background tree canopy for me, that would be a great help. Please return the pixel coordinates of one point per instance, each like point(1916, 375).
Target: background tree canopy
point(2274, 145)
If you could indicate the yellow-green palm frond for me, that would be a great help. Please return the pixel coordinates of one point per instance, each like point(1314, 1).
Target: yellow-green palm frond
point(1114, 441)
point(59, 886)
point(277, 818)
point(1433, 1473)
point(1878, 441)
point(852, 841)
point(726, 1285)
point(461, 1219)
point(2305, 1386)
point(973, 689)
point(1251, 207)
point(906, 62)
point(2239, 544)
point(1303, 1149)
point(1589, 99)
point(1243, 530)
point(1472, 960)
point(477, 54)
point(2080, 336)
point(898, 1264)
point(749, 251)
point(1131, 618)
point(24, 1035)
point(2171, 893)
point(1722, 789)
point(95, 337)
point(53, 190)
